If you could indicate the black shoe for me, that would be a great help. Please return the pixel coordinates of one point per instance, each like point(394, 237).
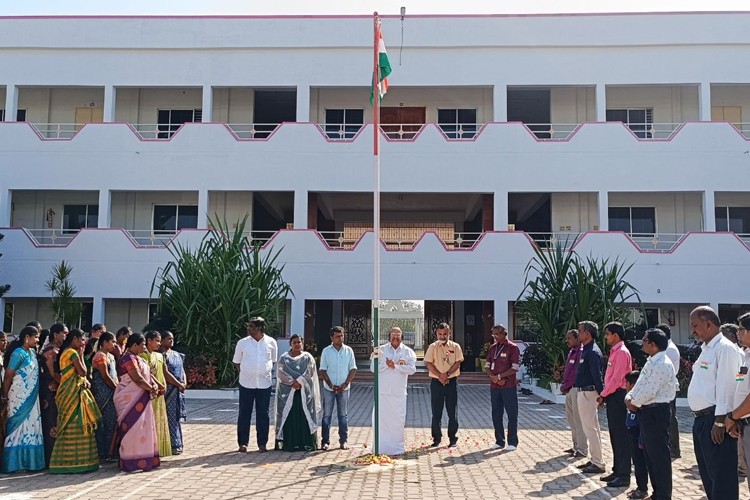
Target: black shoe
point(675, 455)
point(570, 451)
point(619, 482)
point(435, 443)
point(593, 469)
point(453, 443)
point(583, 466)
point(608, 477)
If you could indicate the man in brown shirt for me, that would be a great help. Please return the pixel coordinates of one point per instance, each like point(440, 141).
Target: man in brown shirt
point(443, 359)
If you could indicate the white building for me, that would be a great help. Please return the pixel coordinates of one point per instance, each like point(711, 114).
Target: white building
point(498, 130)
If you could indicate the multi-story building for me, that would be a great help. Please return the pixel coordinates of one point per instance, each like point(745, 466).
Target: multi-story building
point(121, 135)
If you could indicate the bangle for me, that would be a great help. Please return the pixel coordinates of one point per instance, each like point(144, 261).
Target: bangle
point(718, 424)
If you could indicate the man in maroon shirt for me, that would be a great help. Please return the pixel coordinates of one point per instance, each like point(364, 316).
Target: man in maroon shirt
point(503, 360)
point(580, 445)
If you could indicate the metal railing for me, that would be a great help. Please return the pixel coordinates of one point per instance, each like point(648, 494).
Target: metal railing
point(156, 131)
point(340, 131)
point(745, 237)
point(460, 131)
point(337, 240)
point(743, 128)
point(55, 131)
point(658, 242)
point(552, 131)
point(248, 131)
point(653, 130)
point(550, 240)
point(51, 237)
point(401, 131)
point(150, 238)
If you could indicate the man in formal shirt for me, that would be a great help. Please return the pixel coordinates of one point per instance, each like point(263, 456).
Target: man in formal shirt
point(580, 445)
point(673, 353)
point(396, 362)
point(589, 385)
point(619, 364)
point(731, 331)
point(337, 369)
point(710, 396)
point(503, 360)
point(741, 402)
point(443, 360)
point(254, 357)
point(651, 397)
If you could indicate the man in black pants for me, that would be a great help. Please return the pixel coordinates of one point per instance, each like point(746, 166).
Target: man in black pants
point(710, 396)
point(443, 359)
point(650, 398)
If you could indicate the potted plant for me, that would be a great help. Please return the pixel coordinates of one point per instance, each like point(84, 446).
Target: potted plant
point(482, 358)
point(536, 362)
point(556, 380)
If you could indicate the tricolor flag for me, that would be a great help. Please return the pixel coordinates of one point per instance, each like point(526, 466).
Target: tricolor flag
point(385, 69)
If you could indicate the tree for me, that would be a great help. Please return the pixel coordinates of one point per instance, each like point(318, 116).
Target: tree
point(211, 291)
point(562, 290)
point(65, 308)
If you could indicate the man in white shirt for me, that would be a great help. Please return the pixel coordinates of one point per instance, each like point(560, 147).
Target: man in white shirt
point(651, 397)
point(337, 369)
point(741, 412)
point(254, 357)
point(396, 362)
point(673, 353)
point(730, 331)
point(710, 396)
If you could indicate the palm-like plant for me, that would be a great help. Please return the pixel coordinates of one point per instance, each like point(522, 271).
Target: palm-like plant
point(65, 308)
point(211, 291)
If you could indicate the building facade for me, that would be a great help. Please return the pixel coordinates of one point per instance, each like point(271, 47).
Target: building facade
point(122, 135)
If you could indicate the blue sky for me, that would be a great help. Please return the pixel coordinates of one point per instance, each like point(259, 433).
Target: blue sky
point(347, 7)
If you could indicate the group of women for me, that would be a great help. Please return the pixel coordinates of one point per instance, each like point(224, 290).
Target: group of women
point(73, 403)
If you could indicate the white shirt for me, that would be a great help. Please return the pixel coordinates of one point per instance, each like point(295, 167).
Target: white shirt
point(713, 381)
point(256, 359)
point(405, 361)
point(657, 382)
point(674, 355)
point(742, 388)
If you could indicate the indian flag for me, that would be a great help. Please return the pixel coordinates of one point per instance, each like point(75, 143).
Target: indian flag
point(385, 69)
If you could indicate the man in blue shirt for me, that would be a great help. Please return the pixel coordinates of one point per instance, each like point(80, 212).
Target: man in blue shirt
point(337, 368)
point(590, 386)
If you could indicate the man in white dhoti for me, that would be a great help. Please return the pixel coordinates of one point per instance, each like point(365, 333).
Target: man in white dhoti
point(395, 364)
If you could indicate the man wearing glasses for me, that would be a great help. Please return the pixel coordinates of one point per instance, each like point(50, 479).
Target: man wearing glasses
point(254, 357)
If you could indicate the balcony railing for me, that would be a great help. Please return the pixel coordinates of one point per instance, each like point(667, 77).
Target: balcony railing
point(552, 131)
point(653, 131)
point(57, 131)
point(460, 131)
point(401, 131)
point(658, 243)
point(550, 240)
point(340, 131)
point(743, 128)
point(337, 240)
point(250, 131)
point(51, 237)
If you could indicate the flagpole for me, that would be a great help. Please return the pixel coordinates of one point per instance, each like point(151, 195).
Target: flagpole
point(376, 233)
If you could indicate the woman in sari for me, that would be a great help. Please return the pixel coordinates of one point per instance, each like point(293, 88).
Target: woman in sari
point(176, 384)
point(136, 431)
point(103, 383)
point(77, 413)
point(24, 446)
point(48, 384)
point(155, 361)
point(297, 400)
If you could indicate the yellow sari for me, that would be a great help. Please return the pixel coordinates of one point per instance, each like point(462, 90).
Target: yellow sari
point(75, 447)
point(156, 363)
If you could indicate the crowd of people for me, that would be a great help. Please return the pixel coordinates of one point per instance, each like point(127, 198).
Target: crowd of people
point(71, 401)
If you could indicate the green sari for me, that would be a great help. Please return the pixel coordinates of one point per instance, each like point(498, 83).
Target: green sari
point(75, 446)
point(155, 361)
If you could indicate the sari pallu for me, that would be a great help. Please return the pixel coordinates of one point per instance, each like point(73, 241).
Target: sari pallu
point(77, 415)
point(103, 395)
point(175, 399)
point(297, 410)
point(136, 432)
point(23, 446)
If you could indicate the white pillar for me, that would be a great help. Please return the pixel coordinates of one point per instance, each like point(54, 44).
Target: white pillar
point(105, 208)
point(500, 103)
point(709, 211)
point(502, 317)
point(303, 103)
point(601, 102)
point(298, 316)
point(203, 209)
point(11, 102)
point(97, 315)
point(110, 98)
point(5, 207)
point(705, 102)
point(500, 211)
point(208, 104)
point(300, 210)
point(603, 211)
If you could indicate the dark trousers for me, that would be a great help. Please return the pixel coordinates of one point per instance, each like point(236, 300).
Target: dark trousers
point(639, 464)
point(674, 431)
point(618, 433)
point(717, 463)
point(654, 424)
point(260, 398)
point(505, 400)
point(444, 395)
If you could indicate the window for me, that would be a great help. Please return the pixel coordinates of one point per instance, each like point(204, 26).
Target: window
point(458, 123)
point(76, 217)
point(636, 221)
point(20, 115)
point(639, 120)
point(169, 120)
point(171, 218)
point(343, 123)
point(734, 219)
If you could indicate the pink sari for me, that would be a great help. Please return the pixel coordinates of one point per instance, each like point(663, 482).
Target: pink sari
point(136, 428)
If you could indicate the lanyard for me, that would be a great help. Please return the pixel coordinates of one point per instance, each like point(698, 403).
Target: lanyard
point(498, 350)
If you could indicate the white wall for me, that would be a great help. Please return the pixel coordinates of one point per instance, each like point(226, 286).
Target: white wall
point(575, 210)
point(231, 206)
point(233, 105)
point(737, 199)
point(572, 104)
point(732, 95)
point(125, 312)
point(57, 105)
point(141, 105)
point(675, 212)
point(26, 310)
point(30, 207)
point(671, 103)
point(135, 210)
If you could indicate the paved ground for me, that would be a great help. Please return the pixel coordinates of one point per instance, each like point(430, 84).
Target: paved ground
point(211, 469)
